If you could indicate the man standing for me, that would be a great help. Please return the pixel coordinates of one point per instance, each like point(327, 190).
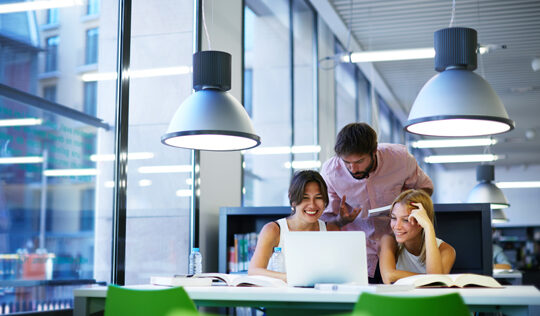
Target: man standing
point(364, 175)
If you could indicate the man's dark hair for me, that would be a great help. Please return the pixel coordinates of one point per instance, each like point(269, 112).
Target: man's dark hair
point(356, 138)
point(298, 186)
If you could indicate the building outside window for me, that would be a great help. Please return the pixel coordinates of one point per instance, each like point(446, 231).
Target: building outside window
point(52, 16)
point(92, 7)
point(51, 53)
point(90, 98)
point(346, 92)
point(91, 52)
point(49, 93)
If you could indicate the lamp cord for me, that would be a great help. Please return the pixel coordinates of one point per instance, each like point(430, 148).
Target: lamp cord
point(204, 24)
point(453, 13)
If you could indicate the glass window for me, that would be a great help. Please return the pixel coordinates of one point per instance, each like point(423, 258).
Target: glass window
point(90, 98)
point(51, 51)
point(266, 169)
point(55, 180)
point(385, 122)
point(49, 93)
point(346, 97)
point(305, 155)
point(92, 7)
point(52, 16)
point(91, 55)
point(364, 104)
point(159, 191)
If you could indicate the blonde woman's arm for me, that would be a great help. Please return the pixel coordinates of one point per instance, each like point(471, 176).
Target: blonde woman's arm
point(388, 261)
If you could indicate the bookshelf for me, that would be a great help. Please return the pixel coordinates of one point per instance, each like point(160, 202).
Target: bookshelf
point(243, 220)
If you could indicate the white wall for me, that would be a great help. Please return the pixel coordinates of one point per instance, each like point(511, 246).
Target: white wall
point(453, 186)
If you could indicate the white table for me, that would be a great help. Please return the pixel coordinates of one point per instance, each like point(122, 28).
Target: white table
point(511, 300)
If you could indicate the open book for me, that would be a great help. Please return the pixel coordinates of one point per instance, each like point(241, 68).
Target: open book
point(380, 211)
point(450, 280)
point(206, 279)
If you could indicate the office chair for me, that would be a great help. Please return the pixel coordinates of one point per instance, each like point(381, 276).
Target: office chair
point(381, 305)
point(173, 301)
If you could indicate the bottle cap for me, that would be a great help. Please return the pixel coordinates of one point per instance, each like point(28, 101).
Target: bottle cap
point(278, 249)
point(195, 249)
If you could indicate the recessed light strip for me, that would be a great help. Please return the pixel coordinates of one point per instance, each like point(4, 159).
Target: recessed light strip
point(22, 6)
point(518, 184)
point(130, 156)
point(20, 160)
point(70, 172)
point(461, 158)
point(444, 143)
point(165, 169)
point(21, 122)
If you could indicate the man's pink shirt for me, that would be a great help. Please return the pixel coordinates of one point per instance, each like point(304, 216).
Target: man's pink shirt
point(397, 170)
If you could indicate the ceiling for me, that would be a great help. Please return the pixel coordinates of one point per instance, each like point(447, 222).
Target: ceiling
point(400, 24)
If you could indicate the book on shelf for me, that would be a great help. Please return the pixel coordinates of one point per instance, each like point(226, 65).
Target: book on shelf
point(450, 280)
point(242, 251)
point(207, 279)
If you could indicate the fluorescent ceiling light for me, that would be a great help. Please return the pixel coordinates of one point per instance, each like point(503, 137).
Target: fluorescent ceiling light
point(130, 156)
point(22, 6)
point(142, 73)
point(279, 150)
point(165, 169)
point(389, 55)
point(303, 164)
point(463, 142)
point(21, 122)
point(518, 184)
point(183, 193)
point(398, 54)
point(20, 160)
point(70, 172)
point(461, 158)
point(145, 183)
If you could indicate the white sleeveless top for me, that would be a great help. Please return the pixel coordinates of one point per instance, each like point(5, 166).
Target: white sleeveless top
point(409, 262)
point(284, 230)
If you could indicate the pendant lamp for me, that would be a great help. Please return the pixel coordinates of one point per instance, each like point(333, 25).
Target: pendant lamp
point(498, 216)
point(485, 191)
point(211, 118)
point(457, 101)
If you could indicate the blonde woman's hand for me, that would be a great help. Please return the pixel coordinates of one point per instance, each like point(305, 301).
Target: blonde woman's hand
point(419, 216)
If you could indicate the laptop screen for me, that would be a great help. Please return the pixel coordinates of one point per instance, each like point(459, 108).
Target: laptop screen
point(326, 257)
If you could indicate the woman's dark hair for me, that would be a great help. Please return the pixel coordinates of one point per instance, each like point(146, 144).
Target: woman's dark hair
point(298, 186)
point(356, 138)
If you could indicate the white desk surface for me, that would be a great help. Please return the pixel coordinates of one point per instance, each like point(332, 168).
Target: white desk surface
point(509, 295)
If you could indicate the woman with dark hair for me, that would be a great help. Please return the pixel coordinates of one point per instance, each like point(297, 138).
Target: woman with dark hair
point(308, 196)
point(413, 248)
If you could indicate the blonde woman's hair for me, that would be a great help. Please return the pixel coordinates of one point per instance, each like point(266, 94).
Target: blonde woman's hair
point(416, 196)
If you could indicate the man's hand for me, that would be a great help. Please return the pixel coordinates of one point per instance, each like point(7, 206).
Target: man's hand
point(346, 217)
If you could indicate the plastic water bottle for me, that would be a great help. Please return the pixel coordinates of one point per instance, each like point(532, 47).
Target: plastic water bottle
point(195, 262)
point(277, 261)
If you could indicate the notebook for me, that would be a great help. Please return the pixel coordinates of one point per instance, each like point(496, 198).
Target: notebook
point(326, 257)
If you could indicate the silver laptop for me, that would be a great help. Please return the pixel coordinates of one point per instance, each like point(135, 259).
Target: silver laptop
point(326, 257)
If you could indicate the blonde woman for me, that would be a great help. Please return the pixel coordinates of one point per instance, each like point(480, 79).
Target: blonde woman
point(413, 248)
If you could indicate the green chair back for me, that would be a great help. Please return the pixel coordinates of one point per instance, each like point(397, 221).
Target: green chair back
point(122, 301)
point(381, 305)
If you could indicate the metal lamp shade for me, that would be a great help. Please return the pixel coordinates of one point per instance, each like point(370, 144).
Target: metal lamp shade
point(458, 102)
point(487, 192)
point(498, 216)
point(211, 119)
